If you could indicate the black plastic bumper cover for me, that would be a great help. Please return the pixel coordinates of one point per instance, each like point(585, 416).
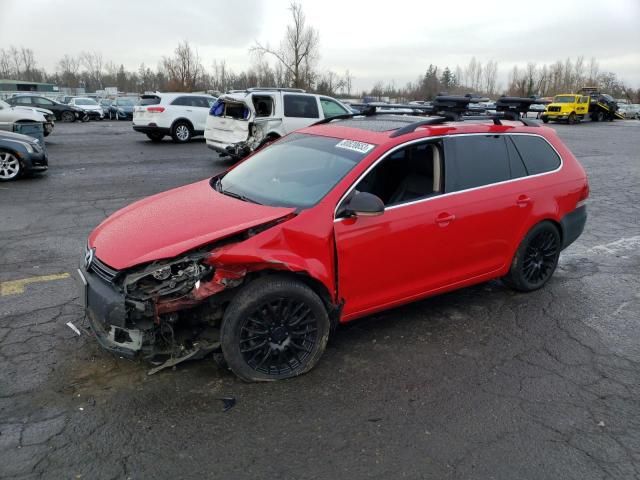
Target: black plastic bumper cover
point(105, 310)
point(573, 225)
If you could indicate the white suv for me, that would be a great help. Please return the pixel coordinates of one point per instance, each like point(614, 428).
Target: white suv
point(181, 115)
point(242, 121)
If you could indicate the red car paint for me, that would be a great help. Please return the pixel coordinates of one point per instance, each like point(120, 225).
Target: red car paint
point(366, 264)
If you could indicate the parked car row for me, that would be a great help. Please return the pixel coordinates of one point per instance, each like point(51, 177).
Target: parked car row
point(234, 124)
point(63, 112)
point(27, 114)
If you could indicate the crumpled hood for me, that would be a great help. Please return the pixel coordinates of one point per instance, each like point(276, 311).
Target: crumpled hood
point(171, 223)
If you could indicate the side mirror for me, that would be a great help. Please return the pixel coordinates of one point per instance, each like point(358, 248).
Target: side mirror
point(364, 204)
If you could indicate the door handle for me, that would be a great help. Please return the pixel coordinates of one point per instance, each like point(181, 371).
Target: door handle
point(445, 219)
point(523, 201)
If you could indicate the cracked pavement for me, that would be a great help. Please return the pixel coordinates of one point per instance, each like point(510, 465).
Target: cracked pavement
point(480, 383)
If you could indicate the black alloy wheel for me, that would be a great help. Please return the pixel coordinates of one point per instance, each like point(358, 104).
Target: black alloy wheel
point(536, 258)
point(275, 328)
point(278, 337)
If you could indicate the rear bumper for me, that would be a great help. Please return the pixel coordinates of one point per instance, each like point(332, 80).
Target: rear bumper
point(151, 129)
point(573, 225)
point(236, 150)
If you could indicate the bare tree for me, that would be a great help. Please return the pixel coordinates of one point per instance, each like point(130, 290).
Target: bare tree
point(93, 63)
point(183, 69)
point(68, 68)
point(298, 50)
point(490, 74)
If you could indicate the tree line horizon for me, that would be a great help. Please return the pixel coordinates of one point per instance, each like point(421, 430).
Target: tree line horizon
point(294, 63)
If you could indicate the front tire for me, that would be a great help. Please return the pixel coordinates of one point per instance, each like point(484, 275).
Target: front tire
point(536, 258)
point(275, 328)
point(573, 119)
point(10, 167)
point(181, 132)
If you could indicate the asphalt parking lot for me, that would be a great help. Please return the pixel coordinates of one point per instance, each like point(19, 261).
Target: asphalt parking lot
point(483, 383)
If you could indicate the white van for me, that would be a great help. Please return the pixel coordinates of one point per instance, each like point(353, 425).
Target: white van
point(242, 121)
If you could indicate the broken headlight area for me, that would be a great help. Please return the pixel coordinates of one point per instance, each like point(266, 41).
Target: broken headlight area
point(167, 280)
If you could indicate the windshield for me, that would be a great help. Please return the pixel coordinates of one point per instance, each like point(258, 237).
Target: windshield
point(128, 102)
point(297, 171)
point(85, 101)
point(564, 99)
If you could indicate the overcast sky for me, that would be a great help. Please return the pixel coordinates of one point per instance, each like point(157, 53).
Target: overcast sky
point(375, 40)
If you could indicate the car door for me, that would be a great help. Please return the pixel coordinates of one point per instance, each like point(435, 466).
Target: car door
point(405, 252)
point(300, 111)
point(487, 209)
point(201, 111)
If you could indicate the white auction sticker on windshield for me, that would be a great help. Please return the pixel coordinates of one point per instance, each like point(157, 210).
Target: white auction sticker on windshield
point(355, 146)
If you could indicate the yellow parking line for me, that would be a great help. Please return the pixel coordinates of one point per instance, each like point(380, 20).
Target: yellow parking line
point(15, 287)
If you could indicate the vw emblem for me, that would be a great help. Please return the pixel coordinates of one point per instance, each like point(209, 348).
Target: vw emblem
point(88, 258)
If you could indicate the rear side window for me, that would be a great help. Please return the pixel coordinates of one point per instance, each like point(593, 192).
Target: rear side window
point(477, 160)
point(302, 106)
point(149, 100)
point(186, 101)
point(538, 156)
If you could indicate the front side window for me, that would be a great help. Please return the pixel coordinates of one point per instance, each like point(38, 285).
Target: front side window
point(478, 160)
point(331, 108)
point(301, 106)
point(296, 171)
point(537, 155)
point(409, 174)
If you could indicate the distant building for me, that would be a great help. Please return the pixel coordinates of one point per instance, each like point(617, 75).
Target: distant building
point(20, 86)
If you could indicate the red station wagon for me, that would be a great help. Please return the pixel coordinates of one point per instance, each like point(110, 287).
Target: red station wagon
point(331, 223)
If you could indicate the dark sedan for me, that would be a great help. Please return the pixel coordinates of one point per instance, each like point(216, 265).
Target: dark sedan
point(122, 108)
point(63, 112)
point(20, 155)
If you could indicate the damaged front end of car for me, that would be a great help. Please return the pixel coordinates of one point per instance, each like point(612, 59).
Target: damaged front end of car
point(163, 312)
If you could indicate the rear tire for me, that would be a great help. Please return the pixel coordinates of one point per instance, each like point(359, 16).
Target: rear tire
point(181, 132)
point(536, 258)
point(68, 116)
point(598, 116)
point(275, 328)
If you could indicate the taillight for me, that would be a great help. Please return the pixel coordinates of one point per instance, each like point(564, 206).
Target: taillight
point(155, 109)
point(584, 195)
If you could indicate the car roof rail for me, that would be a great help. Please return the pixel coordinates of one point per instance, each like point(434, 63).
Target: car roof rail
point(276, 89)
point(422, 123)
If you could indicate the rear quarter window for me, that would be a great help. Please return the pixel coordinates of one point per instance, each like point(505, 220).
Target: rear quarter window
point(475, 161)
point(538, 156)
